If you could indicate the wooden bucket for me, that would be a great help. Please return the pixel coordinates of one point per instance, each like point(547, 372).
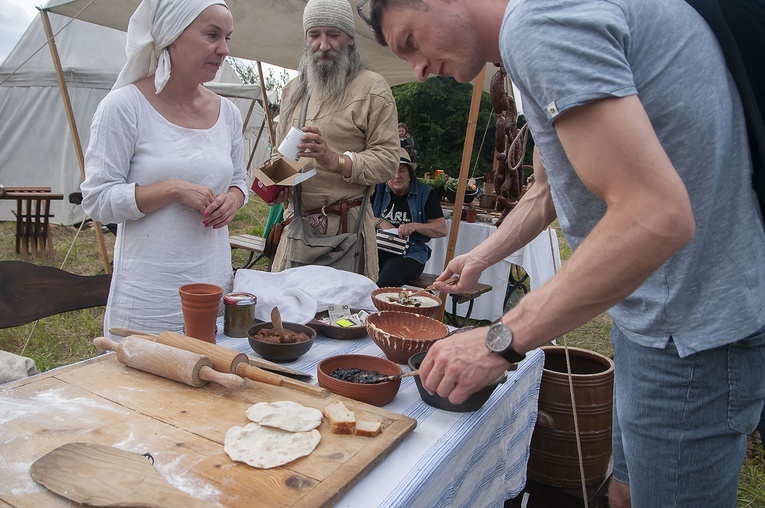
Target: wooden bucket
point(554, 459)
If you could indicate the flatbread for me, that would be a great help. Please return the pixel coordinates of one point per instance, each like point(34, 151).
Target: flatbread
point(285, 415)
point(265, 447)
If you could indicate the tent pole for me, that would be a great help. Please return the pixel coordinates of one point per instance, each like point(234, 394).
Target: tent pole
point(247, 119)
point(467, 151)
point(257, 142)
point(266, 105)
point(72, 128)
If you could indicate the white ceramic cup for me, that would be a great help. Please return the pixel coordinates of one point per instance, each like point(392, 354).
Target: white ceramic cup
point(289, 146)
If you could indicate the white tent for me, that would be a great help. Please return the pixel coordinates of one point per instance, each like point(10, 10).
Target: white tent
point(36, 148)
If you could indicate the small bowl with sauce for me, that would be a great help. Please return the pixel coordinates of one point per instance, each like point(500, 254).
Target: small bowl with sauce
point(265, 340)
point(332, 373)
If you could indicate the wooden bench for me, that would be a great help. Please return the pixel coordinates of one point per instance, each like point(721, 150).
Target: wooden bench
point(33, 220)
point(254, 244)
point(426, 279)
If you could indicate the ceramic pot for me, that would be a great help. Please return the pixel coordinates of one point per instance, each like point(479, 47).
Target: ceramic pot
point(469, 214)
point(200, 304)
point(451, 195)
point(488, 201)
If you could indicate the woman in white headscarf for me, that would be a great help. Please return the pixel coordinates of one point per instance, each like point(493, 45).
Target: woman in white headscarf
point(165, 162)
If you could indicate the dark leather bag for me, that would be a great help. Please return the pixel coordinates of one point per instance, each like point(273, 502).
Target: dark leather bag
point(272, 240)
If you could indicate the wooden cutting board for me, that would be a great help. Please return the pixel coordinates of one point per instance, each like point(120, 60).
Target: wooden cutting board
point(183, 428)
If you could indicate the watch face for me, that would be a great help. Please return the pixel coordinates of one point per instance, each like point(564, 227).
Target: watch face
point(499, 337)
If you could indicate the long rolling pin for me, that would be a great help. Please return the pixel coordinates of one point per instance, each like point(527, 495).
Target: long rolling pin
point(225, 360)
point(237, 363)
point(169, 362)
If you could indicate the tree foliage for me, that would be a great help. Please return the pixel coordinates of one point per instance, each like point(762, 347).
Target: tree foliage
point(436, 112)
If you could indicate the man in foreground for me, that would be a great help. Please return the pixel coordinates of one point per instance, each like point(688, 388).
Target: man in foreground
point(646, 165)
point(350, 130)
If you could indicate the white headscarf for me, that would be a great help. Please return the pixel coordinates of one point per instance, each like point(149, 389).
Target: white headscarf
point(155, 25)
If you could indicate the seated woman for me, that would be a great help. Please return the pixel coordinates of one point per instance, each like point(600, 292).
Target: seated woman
point(414, 209)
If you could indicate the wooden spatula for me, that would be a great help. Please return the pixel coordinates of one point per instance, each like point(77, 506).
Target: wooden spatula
point(276, 319)
point(98, 475)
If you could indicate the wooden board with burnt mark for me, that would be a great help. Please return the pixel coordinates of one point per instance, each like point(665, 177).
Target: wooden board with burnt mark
point(183, 428)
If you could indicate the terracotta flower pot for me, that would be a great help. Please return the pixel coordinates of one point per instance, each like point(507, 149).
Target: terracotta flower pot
point(200, 304)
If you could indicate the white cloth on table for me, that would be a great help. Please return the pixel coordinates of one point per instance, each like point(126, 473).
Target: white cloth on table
point(154, 254)
point(13, 367)
point(302, 292)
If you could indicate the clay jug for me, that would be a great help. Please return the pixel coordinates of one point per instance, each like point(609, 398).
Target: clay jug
point(200, 304)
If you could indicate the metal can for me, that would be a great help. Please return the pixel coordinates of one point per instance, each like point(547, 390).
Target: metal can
point(239, 313)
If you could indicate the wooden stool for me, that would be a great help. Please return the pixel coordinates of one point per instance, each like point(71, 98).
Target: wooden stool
point(33, 220)
point(426, 279)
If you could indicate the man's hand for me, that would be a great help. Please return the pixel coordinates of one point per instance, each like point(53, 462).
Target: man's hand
point(281, 197)
point(314, 145)
point(460, 365)
point(468, 267)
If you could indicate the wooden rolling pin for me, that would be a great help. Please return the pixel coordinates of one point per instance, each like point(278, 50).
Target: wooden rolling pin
point(238, 363)
point(226, 360)
point(169, 362)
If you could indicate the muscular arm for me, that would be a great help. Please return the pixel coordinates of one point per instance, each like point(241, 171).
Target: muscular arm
point(614, 150)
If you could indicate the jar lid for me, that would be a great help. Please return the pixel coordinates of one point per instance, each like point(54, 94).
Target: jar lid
point(239, 299)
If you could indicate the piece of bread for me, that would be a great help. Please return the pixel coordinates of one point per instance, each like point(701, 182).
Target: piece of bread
point(341, 419)
point(368, 429)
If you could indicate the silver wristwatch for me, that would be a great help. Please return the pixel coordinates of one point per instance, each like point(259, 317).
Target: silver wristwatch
point(499, 339)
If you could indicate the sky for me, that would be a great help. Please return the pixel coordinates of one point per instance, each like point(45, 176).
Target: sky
point(15, 17)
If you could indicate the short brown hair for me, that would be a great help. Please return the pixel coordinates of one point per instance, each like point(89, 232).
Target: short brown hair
point(376, 10)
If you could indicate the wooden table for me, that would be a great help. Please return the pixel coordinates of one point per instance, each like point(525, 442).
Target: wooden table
point(33, 220)
point(183, 428)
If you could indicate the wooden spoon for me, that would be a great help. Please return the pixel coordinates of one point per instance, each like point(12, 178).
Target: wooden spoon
point(452, 280)
point(276, 319)
point(383, 379)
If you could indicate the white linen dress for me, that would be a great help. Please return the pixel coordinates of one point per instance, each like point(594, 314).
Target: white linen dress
point(132, 144)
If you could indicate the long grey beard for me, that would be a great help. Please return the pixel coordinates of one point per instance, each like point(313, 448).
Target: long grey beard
point(327, 79)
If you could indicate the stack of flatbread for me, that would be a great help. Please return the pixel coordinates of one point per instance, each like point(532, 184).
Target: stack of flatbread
point(280, 433)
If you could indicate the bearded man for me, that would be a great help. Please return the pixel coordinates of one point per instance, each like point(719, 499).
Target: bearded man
point(350, 132)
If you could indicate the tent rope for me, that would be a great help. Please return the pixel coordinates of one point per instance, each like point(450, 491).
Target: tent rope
point(571, 393)
point(47, 41)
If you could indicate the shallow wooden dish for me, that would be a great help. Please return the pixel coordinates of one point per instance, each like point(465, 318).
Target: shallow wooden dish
point(334, 331)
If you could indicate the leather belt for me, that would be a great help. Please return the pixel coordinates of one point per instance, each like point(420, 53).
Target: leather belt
point(339, 208)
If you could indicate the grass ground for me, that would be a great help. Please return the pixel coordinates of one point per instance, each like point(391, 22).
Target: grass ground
point(66, 338)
